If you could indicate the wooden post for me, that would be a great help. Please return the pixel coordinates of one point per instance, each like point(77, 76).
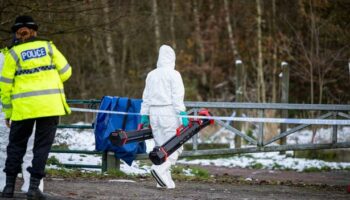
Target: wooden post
point(104, 161)
point(109, 161)
point(239, 98)
point(284, 99)
point(112, 161)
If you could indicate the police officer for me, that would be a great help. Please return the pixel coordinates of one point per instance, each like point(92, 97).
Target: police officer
point(4, 134)
point(32, 92)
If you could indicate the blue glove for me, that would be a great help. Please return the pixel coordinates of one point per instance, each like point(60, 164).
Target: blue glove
point(184, 119)
point(145, 120)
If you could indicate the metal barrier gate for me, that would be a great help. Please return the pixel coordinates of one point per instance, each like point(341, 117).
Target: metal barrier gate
point(256, 145)
point(332, 111)
point(90, 104)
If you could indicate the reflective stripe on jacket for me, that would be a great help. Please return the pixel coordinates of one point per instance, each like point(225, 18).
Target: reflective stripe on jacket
point(32, 81)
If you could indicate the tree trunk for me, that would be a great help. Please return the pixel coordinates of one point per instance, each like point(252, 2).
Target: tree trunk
point(172, 26)
point(274, 54)
point(238, 69)
point(260, 82)
point(109, 45)
point(197, 33)
point(156, 24)
point(203, 85)
point(123, 62)
point(233, 47)
point(311, 57)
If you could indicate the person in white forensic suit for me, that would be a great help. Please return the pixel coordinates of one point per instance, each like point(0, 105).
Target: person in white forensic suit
point(163, 102)
point(27, 159)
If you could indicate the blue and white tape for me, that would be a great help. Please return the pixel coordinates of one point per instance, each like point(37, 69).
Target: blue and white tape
point(343, 122)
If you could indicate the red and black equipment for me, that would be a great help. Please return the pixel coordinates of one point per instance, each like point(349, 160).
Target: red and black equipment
point(160, 154)
point(121, 137)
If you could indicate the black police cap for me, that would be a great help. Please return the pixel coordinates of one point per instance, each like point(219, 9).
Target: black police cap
point(24, 21)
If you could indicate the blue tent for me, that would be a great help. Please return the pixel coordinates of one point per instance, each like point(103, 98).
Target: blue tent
point(106, 123)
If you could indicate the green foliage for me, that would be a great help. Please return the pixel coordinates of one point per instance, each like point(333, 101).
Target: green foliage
point(200, 172)
point(71, 173)
point(62, 146)
point(178, 172)
point(277, 166)
point(203, 146)
point(256, 165)
point(52, 160)
point(116, 173)
point(318, 169)
point(345, 168)
point(317, 154)
point(249, 133)
point(208, 157)
point(78, 173)
point(246, 155)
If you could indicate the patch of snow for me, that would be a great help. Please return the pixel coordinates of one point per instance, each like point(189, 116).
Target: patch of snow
point(271, 160)
point(188, 172)
point(122, 181)
point(85, 140)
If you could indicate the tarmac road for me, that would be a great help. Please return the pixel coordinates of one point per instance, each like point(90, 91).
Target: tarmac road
point(145, 189)
point(226, 183)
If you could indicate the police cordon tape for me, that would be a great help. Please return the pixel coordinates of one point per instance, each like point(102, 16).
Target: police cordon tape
point(239, 119)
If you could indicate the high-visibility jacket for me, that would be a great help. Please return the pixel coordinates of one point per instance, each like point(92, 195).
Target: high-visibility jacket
point(2, 57)
point(32, 79)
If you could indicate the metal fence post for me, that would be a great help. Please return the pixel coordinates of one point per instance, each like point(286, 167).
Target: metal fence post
point(335, 130)
point(104, 161)
point(284, 99)
point(261, 129)
point(195, 137)
point(239, 98)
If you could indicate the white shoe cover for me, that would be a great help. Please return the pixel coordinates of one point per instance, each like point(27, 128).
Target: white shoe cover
point(161, 174)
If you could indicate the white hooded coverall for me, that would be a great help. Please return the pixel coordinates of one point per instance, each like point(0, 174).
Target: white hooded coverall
point(28, 157)
point(163, 99)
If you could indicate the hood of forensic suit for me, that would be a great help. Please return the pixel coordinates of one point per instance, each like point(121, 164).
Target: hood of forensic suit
point(166, 58)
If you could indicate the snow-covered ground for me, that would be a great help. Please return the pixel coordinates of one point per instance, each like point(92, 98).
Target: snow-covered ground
point(78, 139)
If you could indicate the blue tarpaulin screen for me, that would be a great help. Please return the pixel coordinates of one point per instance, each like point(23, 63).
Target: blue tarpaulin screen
point(106, 123)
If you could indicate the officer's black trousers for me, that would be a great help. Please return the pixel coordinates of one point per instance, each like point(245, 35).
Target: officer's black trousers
point(20, 132)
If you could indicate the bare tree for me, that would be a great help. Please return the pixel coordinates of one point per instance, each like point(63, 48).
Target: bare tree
point(261, 83)
point(274, 54)
point(156, 23)
point(197, 32)
point(239, 69)
point(125, 47)
point(312, 49)
point(109, 44)
point(172, 21)
point(233, 46)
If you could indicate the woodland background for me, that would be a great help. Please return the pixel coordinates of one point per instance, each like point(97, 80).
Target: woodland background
point(113, 44)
